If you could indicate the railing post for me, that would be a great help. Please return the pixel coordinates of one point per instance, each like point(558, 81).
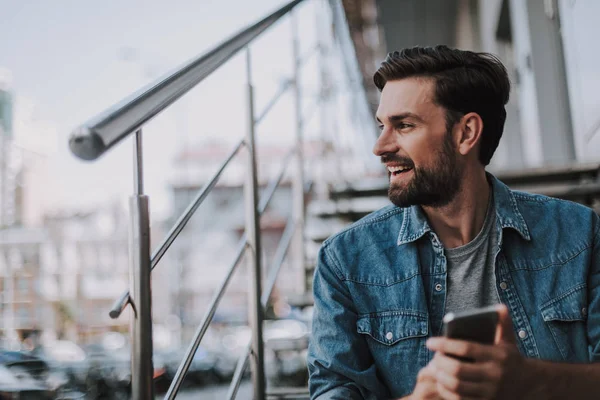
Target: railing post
point(257, 356)
point(142, 387)
point(298, 207)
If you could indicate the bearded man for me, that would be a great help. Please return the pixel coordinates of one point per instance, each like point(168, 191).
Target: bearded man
point(455, 238)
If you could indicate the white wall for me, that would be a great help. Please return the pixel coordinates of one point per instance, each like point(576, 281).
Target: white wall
point(580, 34)
point(528, 102)
point(510, 150)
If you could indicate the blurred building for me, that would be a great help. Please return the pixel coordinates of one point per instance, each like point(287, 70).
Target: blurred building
point(206, 248)
point(9, 162)
point(545, 45)
point(61, 280)
point(58, 280)
point(23, 304)
point(86, 269)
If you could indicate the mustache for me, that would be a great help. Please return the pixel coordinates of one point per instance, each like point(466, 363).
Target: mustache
point(387, 158)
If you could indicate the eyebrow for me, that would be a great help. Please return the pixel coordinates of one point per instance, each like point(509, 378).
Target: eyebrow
point(403, 116)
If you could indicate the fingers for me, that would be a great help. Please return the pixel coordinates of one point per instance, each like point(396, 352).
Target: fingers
point(448, 395)
point(453, 385)
point(460, 370)
point(457, 377)
point(460, 348)
point(426, 385)
point(426, 374)
point(505, 331)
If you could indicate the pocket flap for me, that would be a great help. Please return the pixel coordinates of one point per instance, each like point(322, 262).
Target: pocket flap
point(570, 306)
point(390, 327)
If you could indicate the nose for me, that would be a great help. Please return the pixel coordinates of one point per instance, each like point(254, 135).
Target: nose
point(385, 143)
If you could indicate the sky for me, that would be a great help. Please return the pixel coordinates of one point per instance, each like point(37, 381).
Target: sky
point(71, 59)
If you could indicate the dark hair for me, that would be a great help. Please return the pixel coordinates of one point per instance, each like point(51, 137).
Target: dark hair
point(465, 82)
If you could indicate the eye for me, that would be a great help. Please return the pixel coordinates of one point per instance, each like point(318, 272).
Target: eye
point(402, 126)
point(380, 127)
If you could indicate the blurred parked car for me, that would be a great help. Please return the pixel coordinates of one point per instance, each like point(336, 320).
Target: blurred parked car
point(23, 376)
point(286, 343)
point(66, 357)
point(109, 373)
point(19, 384)
point(202, 368)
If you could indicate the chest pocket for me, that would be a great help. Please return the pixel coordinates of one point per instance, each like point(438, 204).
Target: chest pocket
point(566, 318)
point(391, 327)
point(396, 341)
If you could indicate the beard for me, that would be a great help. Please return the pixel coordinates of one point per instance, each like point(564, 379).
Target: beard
point(435, 185)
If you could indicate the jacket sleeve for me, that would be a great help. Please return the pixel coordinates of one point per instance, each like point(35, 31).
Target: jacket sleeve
point(593, 322)
point(339, 361)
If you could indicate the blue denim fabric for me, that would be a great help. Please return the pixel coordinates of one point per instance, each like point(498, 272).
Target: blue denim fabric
point(380, 289)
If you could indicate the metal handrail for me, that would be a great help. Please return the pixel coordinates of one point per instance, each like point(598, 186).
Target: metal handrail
point(242, 245)
point(102, 132)
point(282, 89)
point(270, 190)
point(280, 253)
point(285, 86)
point(203, 327)
point(240, 368)
point(309, 114)
point(124, 299)
point(108, 128)
point(593, 131)
point(308, 55)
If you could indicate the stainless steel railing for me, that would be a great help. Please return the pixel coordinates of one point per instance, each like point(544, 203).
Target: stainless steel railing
point(187, 214)
point(105, 130)
point(278, 259)
point(108, 128)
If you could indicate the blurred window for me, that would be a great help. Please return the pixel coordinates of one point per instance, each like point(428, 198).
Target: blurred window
point(31, 255)
point(23, 285)
point(23, 312)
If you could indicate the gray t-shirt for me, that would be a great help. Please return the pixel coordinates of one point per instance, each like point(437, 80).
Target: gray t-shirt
point(471, 281)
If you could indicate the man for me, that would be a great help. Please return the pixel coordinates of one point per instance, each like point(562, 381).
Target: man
point(456, 238)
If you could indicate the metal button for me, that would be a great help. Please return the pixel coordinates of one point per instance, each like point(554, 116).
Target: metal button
point(389, 336)
point(438, 287)
point(584, 311)
point(503, 285)
point(522, 334)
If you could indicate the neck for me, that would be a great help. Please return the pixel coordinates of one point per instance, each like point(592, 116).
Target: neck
point(458, 222)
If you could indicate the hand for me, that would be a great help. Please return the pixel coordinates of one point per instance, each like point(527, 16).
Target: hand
point(496, 373)
point(426, 387)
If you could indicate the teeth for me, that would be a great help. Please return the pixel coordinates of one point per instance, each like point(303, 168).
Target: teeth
point(397, 169)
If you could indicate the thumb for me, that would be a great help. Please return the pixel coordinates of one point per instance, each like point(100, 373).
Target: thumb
point(427, 373)
point(504, 330)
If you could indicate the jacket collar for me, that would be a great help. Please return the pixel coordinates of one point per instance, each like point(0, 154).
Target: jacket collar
point(415, 224)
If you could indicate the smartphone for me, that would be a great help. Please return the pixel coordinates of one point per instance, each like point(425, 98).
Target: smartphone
point(477, 325)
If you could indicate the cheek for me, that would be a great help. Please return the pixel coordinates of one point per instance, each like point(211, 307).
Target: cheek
point(422, 150)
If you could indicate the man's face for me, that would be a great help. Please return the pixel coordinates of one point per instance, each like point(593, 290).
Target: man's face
point(414, 144)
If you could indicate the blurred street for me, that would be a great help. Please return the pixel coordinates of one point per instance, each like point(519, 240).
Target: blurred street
point(216, 392)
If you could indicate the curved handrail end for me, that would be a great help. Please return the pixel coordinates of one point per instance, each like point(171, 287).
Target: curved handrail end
point(86, 144)
point(119, 305)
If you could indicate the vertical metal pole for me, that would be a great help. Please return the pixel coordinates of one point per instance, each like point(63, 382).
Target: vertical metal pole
point(9, 299)
point(298, 179)
point(3, 177)
point(142, 370)
point(321, 181)
point(257, 355)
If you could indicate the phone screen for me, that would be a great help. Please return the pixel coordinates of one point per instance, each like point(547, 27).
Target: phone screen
point(478, 325)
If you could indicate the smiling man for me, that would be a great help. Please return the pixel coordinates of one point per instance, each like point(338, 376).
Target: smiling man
point(454, 239)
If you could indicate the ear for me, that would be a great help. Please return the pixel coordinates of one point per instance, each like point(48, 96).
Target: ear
point(469, 135)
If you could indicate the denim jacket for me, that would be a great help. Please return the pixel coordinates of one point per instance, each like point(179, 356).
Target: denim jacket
point(380, 292)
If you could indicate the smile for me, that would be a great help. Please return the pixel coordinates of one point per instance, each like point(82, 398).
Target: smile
point(398, 170)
